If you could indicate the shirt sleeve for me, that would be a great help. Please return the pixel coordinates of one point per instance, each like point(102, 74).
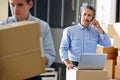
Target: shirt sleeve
point(48, 45)
point(104, 40)
point(3, 22)
point(64, 46)
point(8, 21)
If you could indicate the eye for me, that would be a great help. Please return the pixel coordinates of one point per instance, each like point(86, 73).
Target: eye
point(89, 15)
point(85, 14)
point(20, 4)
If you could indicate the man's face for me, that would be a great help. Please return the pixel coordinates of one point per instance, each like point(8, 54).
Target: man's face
point(86, 17)
point(20, 9)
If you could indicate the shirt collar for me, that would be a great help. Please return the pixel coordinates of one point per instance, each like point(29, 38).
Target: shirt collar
point(82, 28)
point(30, 17)
point(13, 19)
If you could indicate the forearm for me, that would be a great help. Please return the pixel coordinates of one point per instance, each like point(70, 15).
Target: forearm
point(105, 40)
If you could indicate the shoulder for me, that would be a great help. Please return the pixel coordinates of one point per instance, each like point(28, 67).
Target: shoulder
point(71, 28)
point(44, 26)
point(42, 22)
point(7, 21)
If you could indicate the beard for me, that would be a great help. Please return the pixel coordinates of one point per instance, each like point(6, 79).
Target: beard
point(85, 23)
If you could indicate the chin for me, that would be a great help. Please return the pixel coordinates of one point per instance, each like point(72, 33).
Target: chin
point(16, 17)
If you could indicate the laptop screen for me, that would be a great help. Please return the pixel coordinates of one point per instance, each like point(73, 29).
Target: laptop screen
point(92, 61)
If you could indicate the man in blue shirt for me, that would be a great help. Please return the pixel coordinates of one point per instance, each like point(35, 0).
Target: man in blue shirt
point(20, 12)
point(82, 38)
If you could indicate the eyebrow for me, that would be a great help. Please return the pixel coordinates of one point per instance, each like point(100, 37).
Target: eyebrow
point(20, 4)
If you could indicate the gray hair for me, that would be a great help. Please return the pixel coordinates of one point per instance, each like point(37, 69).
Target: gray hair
point(91, 8)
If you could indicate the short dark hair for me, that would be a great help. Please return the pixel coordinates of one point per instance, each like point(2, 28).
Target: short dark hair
point(91, 8)
point(28, 1)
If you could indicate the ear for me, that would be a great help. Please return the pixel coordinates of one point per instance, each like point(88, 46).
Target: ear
point(30, 4)
point(93, 18)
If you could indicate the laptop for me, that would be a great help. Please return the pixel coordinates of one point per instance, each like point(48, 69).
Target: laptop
point(90, 61)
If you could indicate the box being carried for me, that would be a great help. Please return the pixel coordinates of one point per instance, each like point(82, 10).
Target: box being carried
point(20, 52)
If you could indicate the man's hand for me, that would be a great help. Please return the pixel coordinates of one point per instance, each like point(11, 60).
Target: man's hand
point(69, 64)
point(97, 25)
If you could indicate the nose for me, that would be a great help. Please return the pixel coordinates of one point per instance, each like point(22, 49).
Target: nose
point(86, 17)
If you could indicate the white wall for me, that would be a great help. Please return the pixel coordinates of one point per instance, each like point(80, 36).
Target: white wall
point(106, 12)
point(3, 9)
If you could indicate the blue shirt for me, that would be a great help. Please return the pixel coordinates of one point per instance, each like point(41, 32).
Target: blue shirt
point(77, 40)
point(48, 46)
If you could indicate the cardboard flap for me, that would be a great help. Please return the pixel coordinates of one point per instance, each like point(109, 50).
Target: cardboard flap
point(114, 32)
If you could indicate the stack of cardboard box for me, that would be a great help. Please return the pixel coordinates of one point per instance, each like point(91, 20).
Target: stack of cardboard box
point(117, 69)
point(20, 52)
point(112, 53)
point(114, 33)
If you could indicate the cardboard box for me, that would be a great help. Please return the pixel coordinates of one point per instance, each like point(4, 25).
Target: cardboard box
point(116, 41)
point(111, 31)
point(114, 31)
point(75, 74)
point(110, 68)
point(111, 52)
point(117, 72)
point(118, 60)
point(20, 52)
